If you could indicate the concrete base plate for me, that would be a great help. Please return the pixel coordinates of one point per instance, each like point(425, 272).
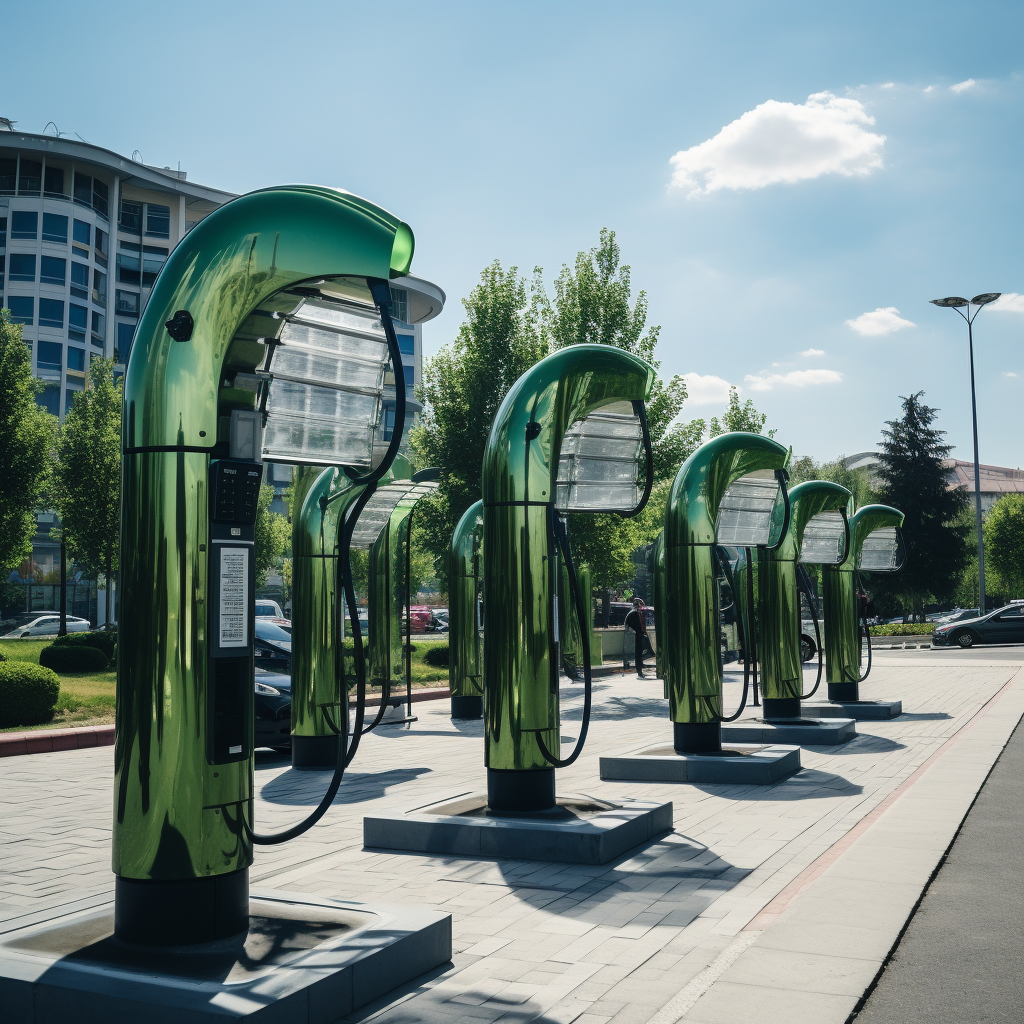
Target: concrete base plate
point(740, 763)
point(580, 830)
point(862, 710)
point(805, 732)
point(304, 959)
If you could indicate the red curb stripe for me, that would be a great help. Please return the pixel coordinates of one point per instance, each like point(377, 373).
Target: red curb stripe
point(14, 744)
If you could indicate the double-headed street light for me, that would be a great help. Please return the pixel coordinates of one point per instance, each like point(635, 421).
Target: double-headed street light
point(957, 303)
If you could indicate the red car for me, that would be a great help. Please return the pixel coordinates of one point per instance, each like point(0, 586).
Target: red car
point(420, 618)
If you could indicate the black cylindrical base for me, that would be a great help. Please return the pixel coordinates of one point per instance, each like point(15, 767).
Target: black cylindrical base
point(526, 790)
point(467, 707)
point(696, 738)
point(781, 707)
point(181, 913)
point(315, 751)
point(844, 691)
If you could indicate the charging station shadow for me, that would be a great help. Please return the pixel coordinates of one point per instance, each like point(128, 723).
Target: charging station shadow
point(306, 788)
point(865, 743)
point(806, 784)
point(932, 716)
point(621, 709)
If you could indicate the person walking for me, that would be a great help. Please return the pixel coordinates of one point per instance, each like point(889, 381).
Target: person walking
point(635, 622)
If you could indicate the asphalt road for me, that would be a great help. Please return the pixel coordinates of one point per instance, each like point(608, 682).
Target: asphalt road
point(961, 959)
point(1002, 652)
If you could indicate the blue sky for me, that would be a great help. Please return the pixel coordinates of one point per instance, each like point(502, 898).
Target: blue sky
point(517, 131)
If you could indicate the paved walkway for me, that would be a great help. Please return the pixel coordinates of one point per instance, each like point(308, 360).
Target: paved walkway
point(652, 937)
point(962, 957)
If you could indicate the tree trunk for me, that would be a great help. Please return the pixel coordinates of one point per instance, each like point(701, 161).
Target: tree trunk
point(63, 630)
point(606, 607)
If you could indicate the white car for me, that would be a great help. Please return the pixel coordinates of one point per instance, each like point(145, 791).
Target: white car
point(266, 609)
point(32, 624)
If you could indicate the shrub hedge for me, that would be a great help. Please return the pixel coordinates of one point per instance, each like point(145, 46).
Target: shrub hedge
point(102, 640)
point(903, 629)
point(72, 658)
point(437, 656)
point(28, 694)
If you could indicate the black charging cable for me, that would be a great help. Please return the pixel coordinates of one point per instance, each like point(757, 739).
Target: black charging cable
point(805, 586)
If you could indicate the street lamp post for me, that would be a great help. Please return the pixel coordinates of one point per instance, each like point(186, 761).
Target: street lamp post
point(957, 303)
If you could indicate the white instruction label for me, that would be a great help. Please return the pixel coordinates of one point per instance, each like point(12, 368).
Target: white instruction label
point(234, 597)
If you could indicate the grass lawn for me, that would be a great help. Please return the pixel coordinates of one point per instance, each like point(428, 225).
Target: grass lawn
point(88, 698)
point(85, 699)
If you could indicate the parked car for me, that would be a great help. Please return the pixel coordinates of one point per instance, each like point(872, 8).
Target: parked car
point(33, 624)
point(1003, 626)
point(419, 616)
point(957, 616)
point(273, 647)
point(439, 620)
point(273, 710)
point(266, 609)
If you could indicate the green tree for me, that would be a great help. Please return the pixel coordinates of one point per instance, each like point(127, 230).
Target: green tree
point(913, 479)
point(27, 434)
point(854, 480)
point(272, 535)
point(739, 417)
point(463, 385)
point(1003, 530)
point(87, 477)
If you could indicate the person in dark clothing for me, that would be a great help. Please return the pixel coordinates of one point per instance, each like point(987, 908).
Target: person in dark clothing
point(635, 622)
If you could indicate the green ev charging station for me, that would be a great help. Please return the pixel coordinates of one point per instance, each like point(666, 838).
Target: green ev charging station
point(465, 625)
point(729, 492)
point(818, 534)
point(875, 546)
point(658, 587)
point(571, 436)
point(267, 338)
point(570, 627)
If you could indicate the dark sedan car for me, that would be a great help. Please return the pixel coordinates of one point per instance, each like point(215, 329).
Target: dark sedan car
point(273, 647)
point(273, 710)
point(1003, 626)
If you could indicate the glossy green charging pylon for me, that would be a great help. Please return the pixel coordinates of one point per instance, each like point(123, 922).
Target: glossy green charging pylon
point(778, 612)
point(465, 639)
point(520, 476)
point(658, 585)
point(689, 638)
point(569, 625)
point(839, 597)
point(191, 475)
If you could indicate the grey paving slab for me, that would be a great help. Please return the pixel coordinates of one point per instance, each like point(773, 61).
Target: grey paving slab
point(658, 916)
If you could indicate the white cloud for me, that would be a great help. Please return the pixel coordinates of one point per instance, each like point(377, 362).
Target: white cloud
point(1009, 302)
point(963, 86)
point(1009, 373)
point(929, 88)
point(782, 142)
point(813, 352)
point(795, 378)
point(888, 85)
point(883, 320)
point(706, 390)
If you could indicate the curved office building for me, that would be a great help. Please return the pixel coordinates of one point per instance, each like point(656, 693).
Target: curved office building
point(83, 234)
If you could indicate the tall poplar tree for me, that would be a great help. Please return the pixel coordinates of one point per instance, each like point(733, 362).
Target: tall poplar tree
point(913, 479)
point(87, 477)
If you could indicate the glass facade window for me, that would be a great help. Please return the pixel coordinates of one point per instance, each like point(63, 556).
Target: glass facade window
point(407, 344)
point(51, 313)
point(79, 280)
point(153, 259)
point(400, 304)
point(54, 183)
point(55, 228)
point(125, 337)
point(69, 398)
point(101, 241)
point(24, 224)
point(78, 321)
point(49, 398)
point(100, 196)
point(130, 217)
point(99, 328)
point(53, 270)
point(8, 175)
point(82, 232)
point(49, 354)
point(3, 232)
point(30, 177)
point(23, 266)
point(76, 358)
point(128, 268)
point(23, 309)
point(388, 420)
point(83, 189)
point(99, 288)
point(158, 221)
point(127, 303)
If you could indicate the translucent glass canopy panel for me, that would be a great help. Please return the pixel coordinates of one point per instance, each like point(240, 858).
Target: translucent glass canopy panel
point(325, 369)
point(824, 541)
point(377, 511)
point(745, 513)
point(880, 551)
point(601, 465)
